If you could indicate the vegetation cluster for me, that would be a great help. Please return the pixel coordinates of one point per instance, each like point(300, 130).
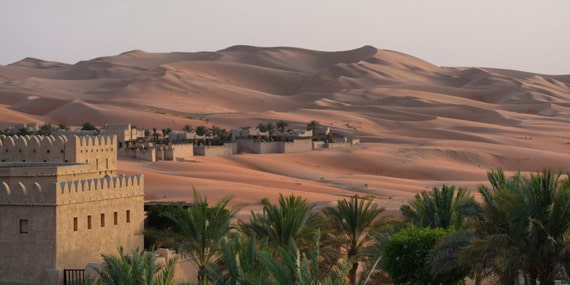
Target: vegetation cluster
point(518, 231)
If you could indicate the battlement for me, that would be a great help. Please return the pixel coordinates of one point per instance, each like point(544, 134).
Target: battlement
point(75, 191)
point(100, 151)
point(99, 189)
point(95, 141)
point(27, 142)
point(51, 148)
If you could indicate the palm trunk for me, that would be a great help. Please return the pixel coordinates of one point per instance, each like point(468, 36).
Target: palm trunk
point(352, 273)
point(478, 277)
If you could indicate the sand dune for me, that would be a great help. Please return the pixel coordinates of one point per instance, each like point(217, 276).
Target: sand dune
point(421, 125)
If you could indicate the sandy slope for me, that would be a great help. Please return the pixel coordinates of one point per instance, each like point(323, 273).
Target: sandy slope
point(422, 125)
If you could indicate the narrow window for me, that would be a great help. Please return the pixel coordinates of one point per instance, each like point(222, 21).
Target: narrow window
point(102, 220)
point(116, 218)
point(24, 226)
point(128, 216)
point(75, 222)
point(89, 222)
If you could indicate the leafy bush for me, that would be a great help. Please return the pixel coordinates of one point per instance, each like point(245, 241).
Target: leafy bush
point(406, 258)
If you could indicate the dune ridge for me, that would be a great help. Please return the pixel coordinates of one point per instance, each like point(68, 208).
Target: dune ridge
point(421, 125)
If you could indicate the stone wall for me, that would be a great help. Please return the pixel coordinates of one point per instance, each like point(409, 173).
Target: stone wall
point(140, 154)
point(179, 151)
point(337, 145)
point(97, 189)
point(62, 205)
point(85, 230)
point(296, 146)
point(318, 145)
point(26, 253)
point(221, 150)
point(100, 151)
point(251, 146)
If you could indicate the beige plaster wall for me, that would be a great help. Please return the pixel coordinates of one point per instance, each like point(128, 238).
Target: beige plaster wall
point(179, 151)
point(337, 145)
point(297, 146)
point(213, 150)
point(24, 257)
point(101, 151)
point(76, 248)
point(75, 178)
point(319, 145)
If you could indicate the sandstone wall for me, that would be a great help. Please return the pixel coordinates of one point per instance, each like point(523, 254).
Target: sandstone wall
point(179, 151)
point(26, 253)
point(213, 150)
point(86, 229)
point(296, 146)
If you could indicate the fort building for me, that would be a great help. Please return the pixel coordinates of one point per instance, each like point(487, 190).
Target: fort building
point(62, 205)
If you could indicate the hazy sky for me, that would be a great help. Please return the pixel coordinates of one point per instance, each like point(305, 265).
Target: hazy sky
point(517, 34)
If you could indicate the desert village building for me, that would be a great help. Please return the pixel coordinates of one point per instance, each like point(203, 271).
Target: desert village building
point(62, 205)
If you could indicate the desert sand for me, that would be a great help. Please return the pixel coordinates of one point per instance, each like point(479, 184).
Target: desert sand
point(421, 125)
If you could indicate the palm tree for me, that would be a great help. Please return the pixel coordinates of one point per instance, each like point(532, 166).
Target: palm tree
point(23, 131)
point(241, 263)
point(155, 133)
point(87, 126)
point(270, 128)
point(312, 125)
point(292, 266)
point(262, 127)
point(282, 126)
point(187, 128)
point(292, 219)
point(353, 224)
point(63, 126)
point(525, 226)
point(137, 269)
point(202, 131)
point(440, 208)
point(199, 230)
point(46, 129)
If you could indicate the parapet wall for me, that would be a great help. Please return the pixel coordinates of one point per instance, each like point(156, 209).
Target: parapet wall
point(98, 150)
point(72, 191)
point(32, 148)
point(99, 189)
point(19, 194)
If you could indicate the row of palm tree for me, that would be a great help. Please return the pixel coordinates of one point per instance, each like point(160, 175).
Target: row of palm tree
point(46, 129)
point(519, 230)
point(284, 235)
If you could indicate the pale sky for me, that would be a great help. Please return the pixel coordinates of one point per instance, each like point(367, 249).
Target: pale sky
point(530, 35)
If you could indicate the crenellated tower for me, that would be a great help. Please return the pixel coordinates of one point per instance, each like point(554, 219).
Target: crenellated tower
point(62, 205)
